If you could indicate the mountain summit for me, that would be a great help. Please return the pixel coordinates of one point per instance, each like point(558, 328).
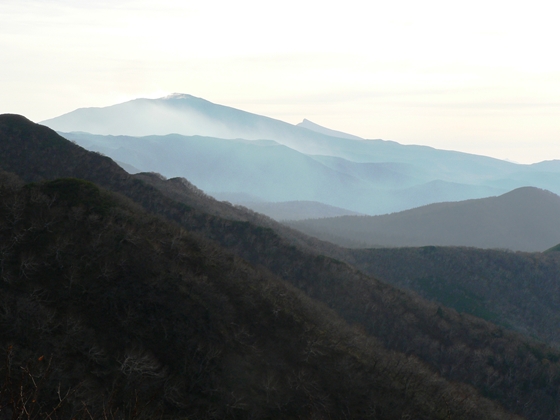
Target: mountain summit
point(188, 115)
point(310, 125)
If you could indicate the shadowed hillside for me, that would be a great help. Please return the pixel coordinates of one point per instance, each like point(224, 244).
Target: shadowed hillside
point(555, 248)
point(110, 313)
point(517, 290)
point(522, 375)
point(525, 219)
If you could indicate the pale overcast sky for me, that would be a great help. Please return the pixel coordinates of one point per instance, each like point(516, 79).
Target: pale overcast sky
point(478, 76)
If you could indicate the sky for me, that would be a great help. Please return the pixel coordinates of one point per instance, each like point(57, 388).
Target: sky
point(480, 76)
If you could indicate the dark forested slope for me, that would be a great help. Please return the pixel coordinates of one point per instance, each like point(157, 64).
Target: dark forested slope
point(107, 312)
point(518, 290)
point(522, 375)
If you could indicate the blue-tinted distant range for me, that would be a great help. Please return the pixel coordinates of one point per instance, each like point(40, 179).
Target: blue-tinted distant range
point(525, 219)
point(264, 163)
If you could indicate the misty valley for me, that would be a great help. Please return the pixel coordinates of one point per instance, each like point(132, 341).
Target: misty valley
point(177, 259)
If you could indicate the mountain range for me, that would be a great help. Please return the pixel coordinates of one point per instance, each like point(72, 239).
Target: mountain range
point(525, 219)
point(273, 161)
point(146, 298)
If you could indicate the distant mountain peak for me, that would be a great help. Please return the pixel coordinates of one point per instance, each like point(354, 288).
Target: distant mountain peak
point(310, 125)
point(180, 113)
point(524, 219)
point(177, 95)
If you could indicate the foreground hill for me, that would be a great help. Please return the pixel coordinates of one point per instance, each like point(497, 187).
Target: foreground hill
point(399, 177)
point(520, 374)
point(110, 313)
point(525, 219)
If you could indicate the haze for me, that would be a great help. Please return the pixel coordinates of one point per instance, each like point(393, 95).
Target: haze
point(480, 77)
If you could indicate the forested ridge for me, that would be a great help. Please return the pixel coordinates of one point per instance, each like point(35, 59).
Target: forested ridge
point(515, 289)
point(428, 339)
point(109, 312)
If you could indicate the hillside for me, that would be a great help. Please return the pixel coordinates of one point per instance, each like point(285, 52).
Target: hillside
point(518, 290)
point(525, 219)
point(520, 374)
point(555, 248)
point(110, 313)
point(296, 210)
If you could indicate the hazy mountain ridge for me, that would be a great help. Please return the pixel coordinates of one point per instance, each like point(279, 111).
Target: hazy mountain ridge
point(188, 115)
point(525, 219)
point(310, 125)
point(272, 172)
point(399, 177)
point(265, 169)
point(400, 321)
point(296, 210)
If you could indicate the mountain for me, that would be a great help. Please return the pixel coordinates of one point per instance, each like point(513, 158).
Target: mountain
point(310, 125)
point(268, 171)
point(188, 115)
point(296, 210)
point(525, 219)
point(263, 168)
point(109, 312)
point(515, 289)
point(436, 355)
point(370, 176)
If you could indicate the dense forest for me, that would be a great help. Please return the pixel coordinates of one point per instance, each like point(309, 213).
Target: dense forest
point(107, 311)
point(515, 289)
point(203, 310)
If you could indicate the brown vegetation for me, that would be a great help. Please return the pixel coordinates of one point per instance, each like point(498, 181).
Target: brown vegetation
point(520, 291)
point(109, 312)
point(418, 339)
